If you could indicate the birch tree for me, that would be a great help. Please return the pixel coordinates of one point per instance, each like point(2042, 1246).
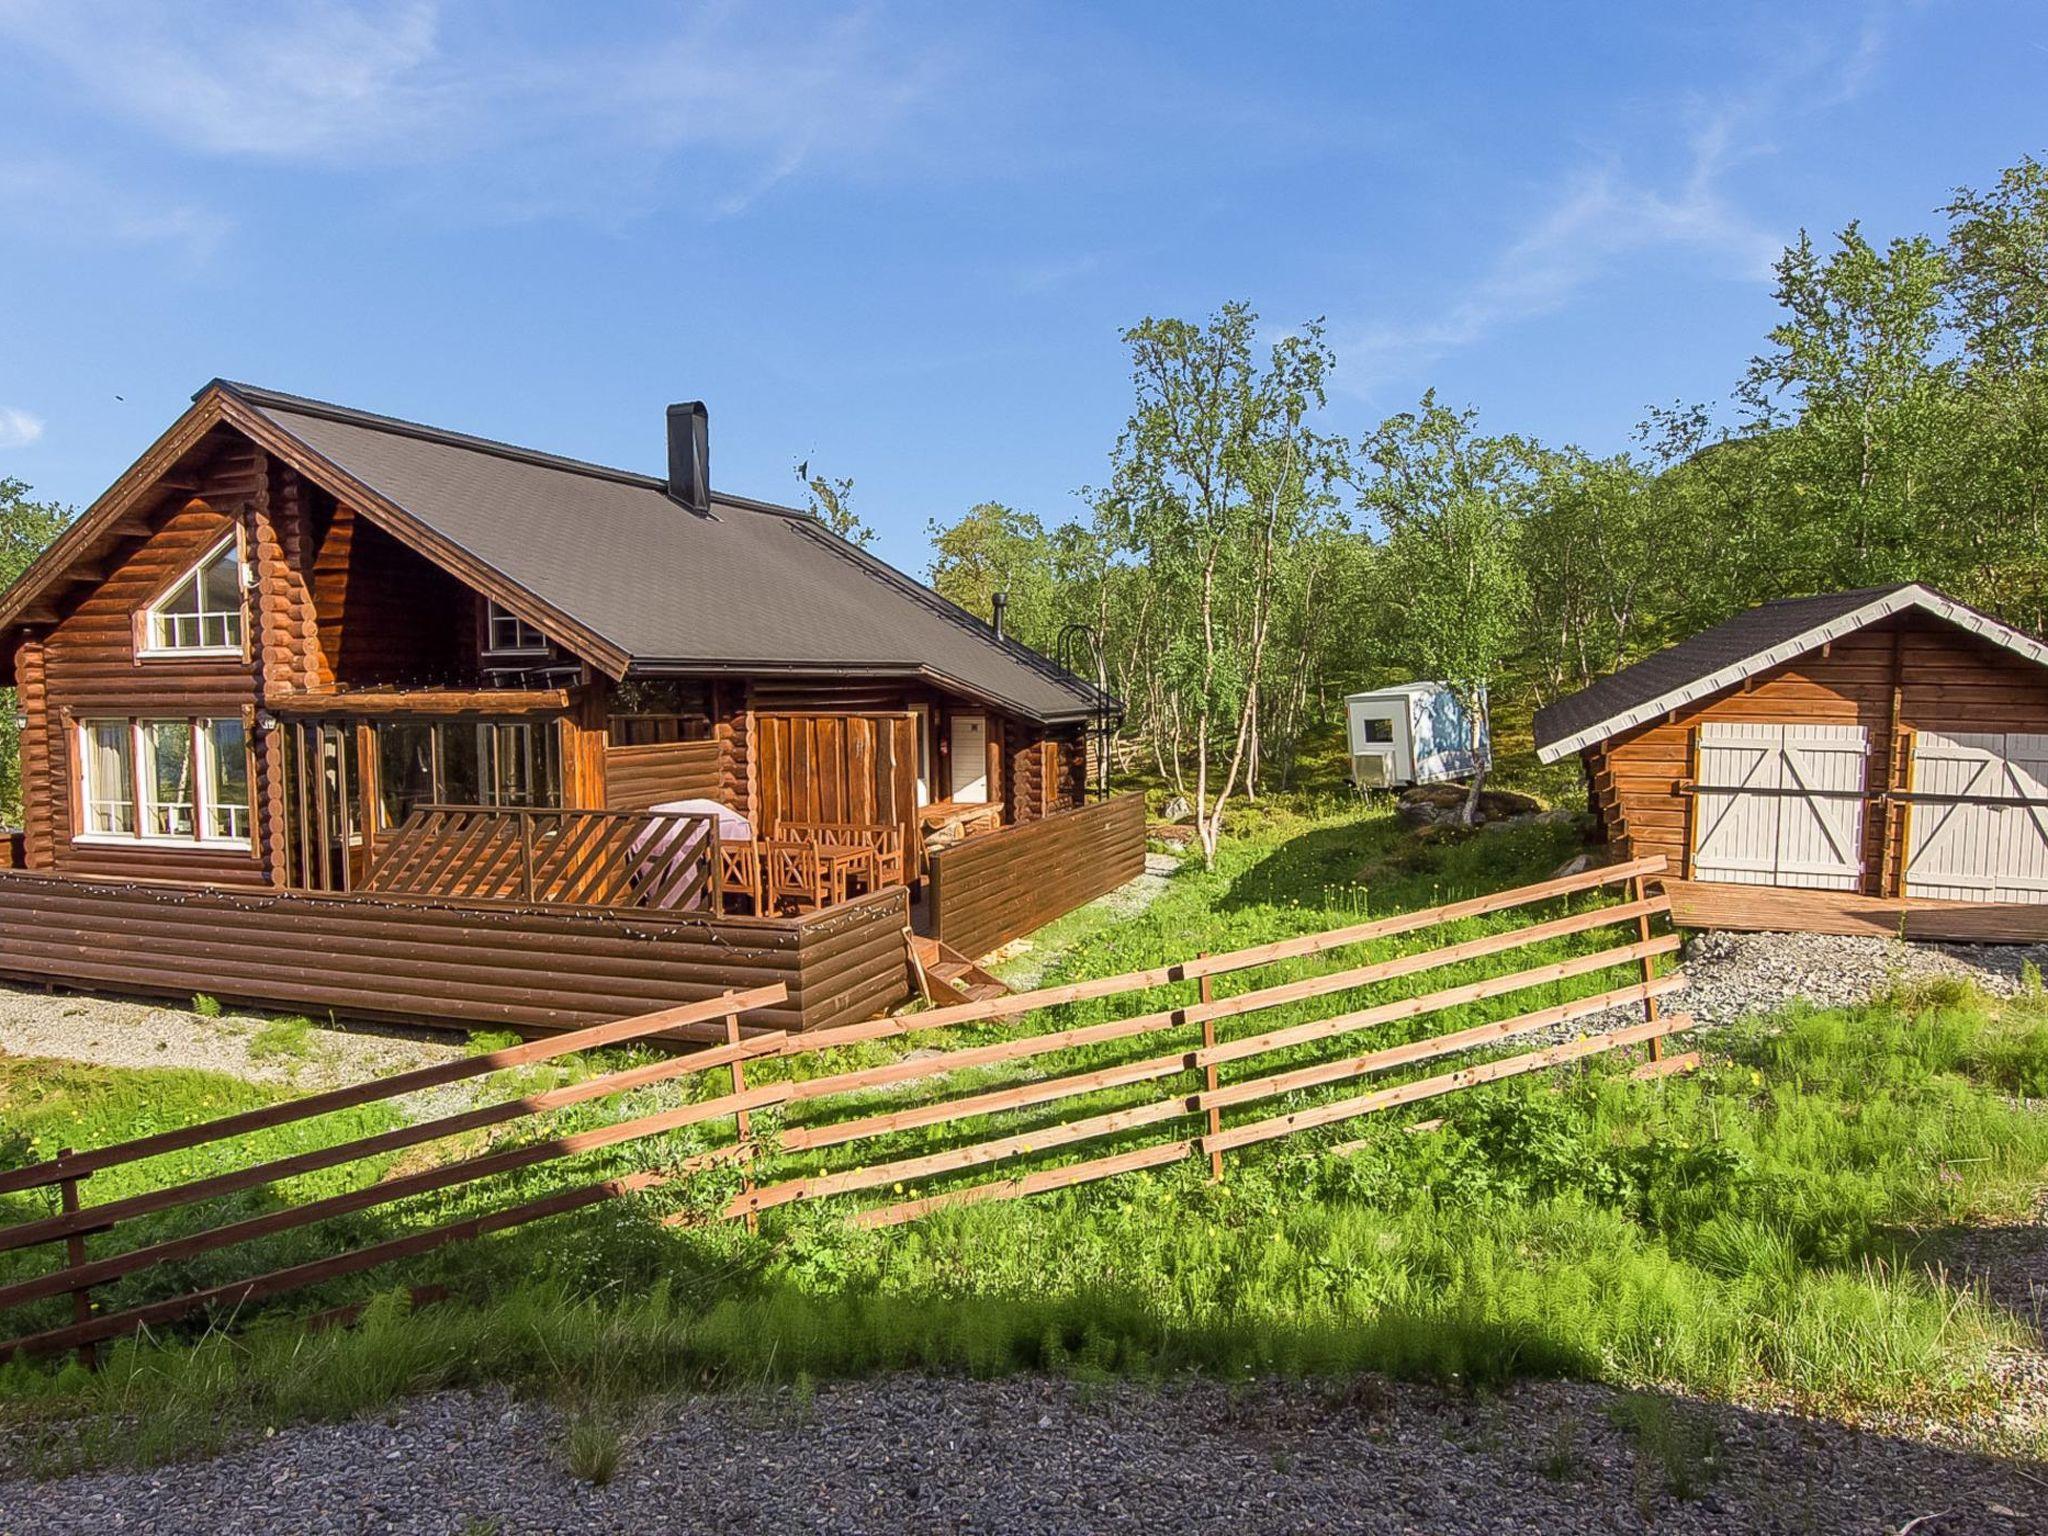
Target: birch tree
point(1452, 503)
point(1215, 474)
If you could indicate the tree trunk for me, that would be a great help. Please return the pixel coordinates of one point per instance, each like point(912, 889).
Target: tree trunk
point(1475, 725)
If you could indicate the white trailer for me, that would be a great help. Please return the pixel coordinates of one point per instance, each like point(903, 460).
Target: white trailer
point(1414, 733)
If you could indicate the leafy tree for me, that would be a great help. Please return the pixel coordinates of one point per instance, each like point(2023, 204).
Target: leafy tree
point(1857, 359)
point(1217, 472)
point(1453, 504)
point(831, 503)
point(991, 549)
point(26, 529)
point(1998, 256)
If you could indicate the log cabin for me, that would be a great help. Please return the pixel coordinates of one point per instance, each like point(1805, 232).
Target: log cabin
point(1873, 761)
point(307, 650)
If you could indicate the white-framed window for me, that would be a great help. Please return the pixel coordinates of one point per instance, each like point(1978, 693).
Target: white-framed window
point(107, 751)
point(164, 781)
point(510, 635)
point(202, 614)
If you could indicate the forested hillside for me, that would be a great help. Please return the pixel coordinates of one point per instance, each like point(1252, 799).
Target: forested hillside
point(1250, 555)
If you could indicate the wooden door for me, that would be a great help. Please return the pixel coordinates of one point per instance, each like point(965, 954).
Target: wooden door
point(1978, 827)
point(1781, 805)
point(967, 736)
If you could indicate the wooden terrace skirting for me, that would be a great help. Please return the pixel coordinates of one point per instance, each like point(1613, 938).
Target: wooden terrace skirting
point(1779, 909)
point(997, 887)
point(430, 961)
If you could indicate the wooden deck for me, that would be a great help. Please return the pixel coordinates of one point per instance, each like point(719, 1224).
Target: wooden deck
point(450, 963)
point(1776, 909)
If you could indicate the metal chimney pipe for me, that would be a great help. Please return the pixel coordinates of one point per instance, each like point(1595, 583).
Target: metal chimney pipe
point(1000, 602)
point(689, 456)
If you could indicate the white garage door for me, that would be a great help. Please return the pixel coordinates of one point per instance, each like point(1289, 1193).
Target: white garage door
point(1780, 805)
point(1979, 819)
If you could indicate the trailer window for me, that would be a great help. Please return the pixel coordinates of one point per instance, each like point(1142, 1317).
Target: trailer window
point(1375, 728)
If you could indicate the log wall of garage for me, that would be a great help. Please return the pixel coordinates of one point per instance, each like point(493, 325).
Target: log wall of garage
point(1912, 672)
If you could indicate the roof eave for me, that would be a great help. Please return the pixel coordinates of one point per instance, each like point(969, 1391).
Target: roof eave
point(722, 666)
point(1883, 607)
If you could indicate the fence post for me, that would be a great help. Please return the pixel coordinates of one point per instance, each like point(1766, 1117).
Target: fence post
point(1209, 1074)
point(74, 1258)
point(526, 854)
point(1650, 1011)
point(743, 1122)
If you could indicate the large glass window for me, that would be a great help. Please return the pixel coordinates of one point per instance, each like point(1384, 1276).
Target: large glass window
point(224, 748)
point(192, 784)
point(108, 752)
point(465, 762)
point(170, 808)
point(202, 613)
point(405, 770)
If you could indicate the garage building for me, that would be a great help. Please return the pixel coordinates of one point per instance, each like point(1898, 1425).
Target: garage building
point(1857, 761)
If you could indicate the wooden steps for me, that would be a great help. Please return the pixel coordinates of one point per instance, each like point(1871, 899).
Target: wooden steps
point(952, 977)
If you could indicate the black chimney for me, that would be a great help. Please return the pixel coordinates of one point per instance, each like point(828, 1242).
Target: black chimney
point(1001, 601)
point(689, 456)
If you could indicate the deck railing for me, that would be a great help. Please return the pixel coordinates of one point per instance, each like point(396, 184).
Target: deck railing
point(662, 860)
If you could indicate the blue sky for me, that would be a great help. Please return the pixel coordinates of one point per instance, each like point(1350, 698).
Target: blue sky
point(900, 240)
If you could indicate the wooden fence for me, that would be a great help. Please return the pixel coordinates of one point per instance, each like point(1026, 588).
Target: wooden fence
point(470, 965)
point(1204, 1117)
point(991, 889)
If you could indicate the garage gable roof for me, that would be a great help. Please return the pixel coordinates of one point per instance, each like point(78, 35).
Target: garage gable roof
point(1739, 648)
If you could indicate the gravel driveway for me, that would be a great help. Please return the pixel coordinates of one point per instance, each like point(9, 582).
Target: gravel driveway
point(1734, 975)
point(120, 1032)
point(1032, 1455)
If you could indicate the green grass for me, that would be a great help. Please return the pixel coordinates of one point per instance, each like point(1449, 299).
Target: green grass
point(290, 1039)
point(1760, 1230)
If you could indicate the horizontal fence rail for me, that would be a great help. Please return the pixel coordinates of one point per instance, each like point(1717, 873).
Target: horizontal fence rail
point(1198, 1116)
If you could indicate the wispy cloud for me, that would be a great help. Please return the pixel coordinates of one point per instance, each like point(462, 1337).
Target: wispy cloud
point(1602, 215)
point(75, 203)
point(755, 96)
point(322, 81)
point(18, 428)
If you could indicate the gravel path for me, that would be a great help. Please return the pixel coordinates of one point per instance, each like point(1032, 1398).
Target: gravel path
point(1034, 1455)
point(114, 1032)
point(1734, 975)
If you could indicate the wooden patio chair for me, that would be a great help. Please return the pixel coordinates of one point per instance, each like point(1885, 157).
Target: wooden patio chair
point(884, 840)
point(739, 872)
point(793, 874)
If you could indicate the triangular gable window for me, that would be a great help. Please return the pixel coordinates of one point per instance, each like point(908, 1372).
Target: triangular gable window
point(201, 615)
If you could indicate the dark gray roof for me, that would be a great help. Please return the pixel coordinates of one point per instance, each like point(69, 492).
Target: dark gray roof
point(751, 586)
point(1701, 657)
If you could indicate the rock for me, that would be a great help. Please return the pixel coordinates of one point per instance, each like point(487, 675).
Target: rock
point(1576, 865)
point(1177, 808)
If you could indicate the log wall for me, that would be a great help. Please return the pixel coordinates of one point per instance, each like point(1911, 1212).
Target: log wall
point(637, 777)
point(991, 889)
point(440, 963)
point(89, 668)
point(1946, 679)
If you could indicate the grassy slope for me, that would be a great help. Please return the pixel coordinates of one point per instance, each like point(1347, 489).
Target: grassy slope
point(1742, 1233)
